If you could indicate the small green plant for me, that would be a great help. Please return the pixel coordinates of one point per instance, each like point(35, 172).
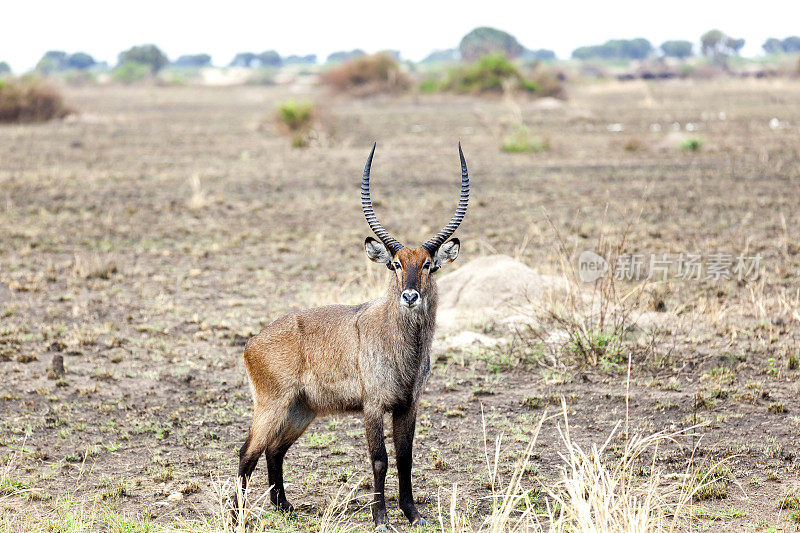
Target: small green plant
point(776, 408)
point(692, 144)
point(520, 141)
point(713, 483)
point(634, 144)
point(596, 346)
point(295, 117)
point(793, 363)
point(131, 72)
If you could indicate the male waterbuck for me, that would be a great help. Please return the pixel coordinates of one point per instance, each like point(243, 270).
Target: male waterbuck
point(373, 357)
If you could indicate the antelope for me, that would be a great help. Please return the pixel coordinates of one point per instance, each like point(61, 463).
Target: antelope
point(373, 358)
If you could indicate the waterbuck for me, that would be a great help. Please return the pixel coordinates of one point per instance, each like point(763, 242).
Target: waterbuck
point(373, 357)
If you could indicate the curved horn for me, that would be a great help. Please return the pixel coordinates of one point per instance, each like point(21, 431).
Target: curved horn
point(366, 205)
point(432, 245)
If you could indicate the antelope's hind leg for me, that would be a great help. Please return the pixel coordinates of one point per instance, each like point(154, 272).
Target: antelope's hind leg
point(297, 419)
point(267, 424)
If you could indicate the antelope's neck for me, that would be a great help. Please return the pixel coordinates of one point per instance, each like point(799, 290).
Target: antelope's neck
point(414, 327)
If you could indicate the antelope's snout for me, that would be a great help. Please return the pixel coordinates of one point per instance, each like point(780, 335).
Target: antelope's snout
point(410, 298)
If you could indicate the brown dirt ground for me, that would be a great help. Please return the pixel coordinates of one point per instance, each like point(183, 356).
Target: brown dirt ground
point(148, 285)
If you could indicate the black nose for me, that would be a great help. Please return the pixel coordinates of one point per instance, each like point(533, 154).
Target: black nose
point(410, 297)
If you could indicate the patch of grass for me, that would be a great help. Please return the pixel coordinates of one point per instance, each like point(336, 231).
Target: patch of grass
point(520, 141)
point(777, 408)
point(320, 440)
point(790, 500)
point(113, 522)
point(722, 514)
point(692, 144)
point(713, 483)
point(721, 374)
point(793, 363)
point(598, 347)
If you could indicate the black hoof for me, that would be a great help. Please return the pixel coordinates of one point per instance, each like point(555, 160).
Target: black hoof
point(419, 522)
point(287, 509)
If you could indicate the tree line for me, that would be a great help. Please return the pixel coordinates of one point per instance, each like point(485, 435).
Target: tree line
point(714, 44)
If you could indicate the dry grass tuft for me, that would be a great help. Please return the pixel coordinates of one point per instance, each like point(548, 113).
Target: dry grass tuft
point(368, 75)
point(94, 266)
point(594, 494)
point(588, 327)
point(30, 100)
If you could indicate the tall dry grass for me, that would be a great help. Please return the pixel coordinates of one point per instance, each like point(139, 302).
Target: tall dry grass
point(30, 100)
point(595, 493)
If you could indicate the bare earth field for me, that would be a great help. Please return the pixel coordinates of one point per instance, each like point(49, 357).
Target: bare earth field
point(145, 240)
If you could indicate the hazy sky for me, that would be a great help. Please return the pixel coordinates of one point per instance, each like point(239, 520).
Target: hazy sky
point(104, 28)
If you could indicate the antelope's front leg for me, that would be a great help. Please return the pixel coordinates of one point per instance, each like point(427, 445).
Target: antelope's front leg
point(373, 425)
point(403, 423)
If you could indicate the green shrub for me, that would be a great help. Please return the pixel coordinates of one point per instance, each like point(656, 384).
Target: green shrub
point(30, 100)
point(490, 74)
point(429, 86)
point(692, 144)
point(295, 117)
point(367, 75)
point(520, 141)
point(131, 72)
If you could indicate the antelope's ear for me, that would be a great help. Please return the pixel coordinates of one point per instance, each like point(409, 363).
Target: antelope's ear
point(446, 253)
point(377, 252)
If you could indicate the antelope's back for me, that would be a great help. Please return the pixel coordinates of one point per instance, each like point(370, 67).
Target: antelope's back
point(314, 350)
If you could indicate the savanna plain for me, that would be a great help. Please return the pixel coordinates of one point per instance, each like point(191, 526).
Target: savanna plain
point(146, 238)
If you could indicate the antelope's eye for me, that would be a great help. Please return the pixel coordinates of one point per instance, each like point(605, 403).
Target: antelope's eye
point(427, 265)
point(397, 265)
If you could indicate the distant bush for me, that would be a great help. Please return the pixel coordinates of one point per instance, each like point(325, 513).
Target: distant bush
point(362, 76)
point(549, 82)
point(131, 72)
point(295, 117)
point(490, 74)
point(615, 49)
point(146, 54)
point(4, 68)
point(30, 101)
point(487, 41)
point(339, 57)
point(677, 49)
point(788, 45)
point(310, 59)
point(520, 141)
point(193, 61)
point(269, 58)
point(718, 46)
point(450, 55)
point(542, 54)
